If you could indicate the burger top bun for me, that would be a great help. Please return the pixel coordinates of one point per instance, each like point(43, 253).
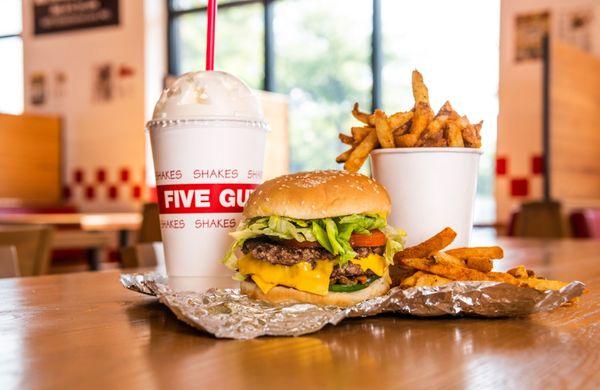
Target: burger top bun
point(318, 194)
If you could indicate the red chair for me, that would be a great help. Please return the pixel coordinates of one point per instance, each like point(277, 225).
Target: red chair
point(511, 224)
point(585, 223)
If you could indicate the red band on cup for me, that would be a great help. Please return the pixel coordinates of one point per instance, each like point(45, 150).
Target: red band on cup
point(203, 198)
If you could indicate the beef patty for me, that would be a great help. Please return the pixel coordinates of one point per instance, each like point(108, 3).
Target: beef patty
point(263, 249)
point(266, 250)
point(348, 274)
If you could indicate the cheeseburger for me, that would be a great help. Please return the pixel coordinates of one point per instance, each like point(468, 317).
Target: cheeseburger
point(315, 237)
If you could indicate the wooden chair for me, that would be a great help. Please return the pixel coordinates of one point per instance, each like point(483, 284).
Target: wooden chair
point(150, 229)
point(148, 254)
point(539, 220)
point(9, 266)
point(32, 243)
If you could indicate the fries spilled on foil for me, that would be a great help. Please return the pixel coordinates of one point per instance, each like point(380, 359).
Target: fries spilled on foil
point(418, 127)
point(428, 264)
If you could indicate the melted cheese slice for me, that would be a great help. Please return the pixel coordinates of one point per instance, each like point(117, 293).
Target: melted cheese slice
point(301, 276)
point(373, 262)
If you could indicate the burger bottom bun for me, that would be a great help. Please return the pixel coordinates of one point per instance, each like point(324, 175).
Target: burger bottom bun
point(280, 294)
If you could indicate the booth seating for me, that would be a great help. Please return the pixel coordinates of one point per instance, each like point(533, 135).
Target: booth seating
point(585, 223)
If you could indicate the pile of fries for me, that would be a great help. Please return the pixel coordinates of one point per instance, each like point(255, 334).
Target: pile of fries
point(418, 127)
point(427, 265)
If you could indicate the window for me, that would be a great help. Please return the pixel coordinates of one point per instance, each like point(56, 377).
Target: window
point(322, 63)
point(11, 52)
point(240, 36)
point(320, 55)
point(240, 41)
point(459, 59)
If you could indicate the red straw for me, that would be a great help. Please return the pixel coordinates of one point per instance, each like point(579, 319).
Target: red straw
point(210, 34)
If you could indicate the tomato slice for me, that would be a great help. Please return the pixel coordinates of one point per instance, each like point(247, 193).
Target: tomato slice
point(376, 238)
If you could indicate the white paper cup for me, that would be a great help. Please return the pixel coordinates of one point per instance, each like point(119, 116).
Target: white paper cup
point(205, 171)
point(208, 143)
point(430, 188)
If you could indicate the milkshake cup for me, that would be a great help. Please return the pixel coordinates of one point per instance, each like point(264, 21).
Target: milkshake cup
point(208, 143)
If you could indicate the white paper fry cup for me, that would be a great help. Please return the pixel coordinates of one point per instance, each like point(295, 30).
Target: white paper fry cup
point(430, 189)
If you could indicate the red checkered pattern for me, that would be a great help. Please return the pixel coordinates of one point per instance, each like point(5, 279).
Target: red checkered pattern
point(116, 185)
point(519, 186)
point(537, 165)
point(501, 167)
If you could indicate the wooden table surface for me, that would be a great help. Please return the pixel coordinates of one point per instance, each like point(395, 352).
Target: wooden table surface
point(85, 330)
point(87, 221)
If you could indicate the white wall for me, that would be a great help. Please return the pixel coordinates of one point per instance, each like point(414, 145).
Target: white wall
point(520, 94)
point(101, 135)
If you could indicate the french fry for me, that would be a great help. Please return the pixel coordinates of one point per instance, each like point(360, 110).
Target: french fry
point(418, 127)
point(361, 151)
point(362, 116)
point(445, 258)
point(454, 134)
point(399, 132)
point(346, 139)
point(359, 133)
point(448, 271)
point(491, 252)
point(398, 119)
point(471, 135)
point(519, 272)
point(404, 129)
point(420, 92)
point(384, 131)
point(344, 156)
point(406, 140)
point(476, 263)
point(411, 281)
point(536, 283)
point(482, 264)
point(503, 277)
point(433, 132)
point(447, 110)
point(453, 115)
point(428, 247)
point(544, 284)
point(421, 278)
point(434, 129)
point(438, 142)
point(435, 268)
point(421, 119)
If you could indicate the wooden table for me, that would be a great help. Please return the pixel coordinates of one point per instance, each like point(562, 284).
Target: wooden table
point(91, 232)
point(122, 222)
point(87, 221)
point(85, 330)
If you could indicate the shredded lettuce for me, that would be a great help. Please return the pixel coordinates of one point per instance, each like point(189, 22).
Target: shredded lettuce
point(332, 233)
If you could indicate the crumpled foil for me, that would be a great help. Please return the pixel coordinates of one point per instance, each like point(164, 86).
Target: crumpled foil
point(226, 313)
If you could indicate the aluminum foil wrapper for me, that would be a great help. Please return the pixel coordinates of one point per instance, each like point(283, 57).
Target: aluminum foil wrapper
point(226, 313)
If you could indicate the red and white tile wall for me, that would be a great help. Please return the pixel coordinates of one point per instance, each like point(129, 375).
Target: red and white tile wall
point(518, 179)
point(105, 188)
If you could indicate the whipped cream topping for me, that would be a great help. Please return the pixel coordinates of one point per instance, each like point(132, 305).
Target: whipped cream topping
point(208, 95)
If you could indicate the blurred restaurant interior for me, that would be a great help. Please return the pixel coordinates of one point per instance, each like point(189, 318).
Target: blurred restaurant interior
point(77, 186)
